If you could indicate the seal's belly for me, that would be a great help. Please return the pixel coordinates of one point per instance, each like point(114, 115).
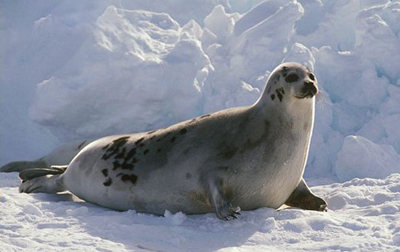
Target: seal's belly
point(175, 186)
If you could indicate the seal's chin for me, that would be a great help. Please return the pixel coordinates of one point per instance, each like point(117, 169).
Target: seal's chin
point(307, 92)
point(306, 95)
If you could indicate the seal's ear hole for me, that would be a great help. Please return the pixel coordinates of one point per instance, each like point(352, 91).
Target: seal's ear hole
point(312, 77)
point(292, 78)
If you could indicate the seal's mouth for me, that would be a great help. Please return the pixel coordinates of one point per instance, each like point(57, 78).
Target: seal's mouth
point(309, 90)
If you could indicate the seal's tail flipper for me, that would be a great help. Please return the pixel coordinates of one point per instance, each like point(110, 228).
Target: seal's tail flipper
point(19, 166)
point(42, 180)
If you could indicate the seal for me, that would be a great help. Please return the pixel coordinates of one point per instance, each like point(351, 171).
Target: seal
point(59, 156)
point(236, 159)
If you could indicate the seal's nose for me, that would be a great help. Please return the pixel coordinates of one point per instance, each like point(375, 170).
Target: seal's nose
point(310, 88)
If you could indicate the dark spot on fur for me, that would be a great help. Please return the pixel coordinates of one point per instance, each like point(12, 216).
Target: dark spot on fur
point(204, 116)
point(132, 178)
point(284, 71)
point(158, 140)
point(280, 96)
point(272, 97)
point(312, 77)
point(139, 141)
point(146, 151)
point(292, 78)
point(120, 174)
point(126, 166)
point(188, 175)
point(114, 147)
point(121, 154)
point(134, 160)
point(193, 120)
point(183, 131)
point(116, 165)
point(108, 182)
point(283, 91)
point(141, 145)
point(130, 154)
point(173, 139)
point(105, 172)
point(81, 145)
point(158, 150)
point(151, 132)
point(121, 141)
point(280, 93)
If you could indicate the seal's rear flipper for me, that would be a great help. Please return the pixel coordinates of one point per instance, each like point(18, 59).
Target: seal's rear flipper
point(39, 172)
point(42, 180)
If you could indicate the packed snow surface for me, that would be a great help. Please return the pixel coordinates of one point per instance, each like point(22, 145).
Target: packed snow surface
point(364, 216)
point(86, 69)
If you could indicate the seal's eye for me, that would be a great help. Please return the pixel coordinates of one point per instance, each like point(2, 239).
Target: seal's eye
point(292, 78)
point(312, 77)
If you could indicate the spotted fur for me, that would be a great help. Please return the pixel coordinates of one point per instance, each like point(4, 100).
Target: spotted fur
point(241, 158)
point(279, 93)
point(108, 182)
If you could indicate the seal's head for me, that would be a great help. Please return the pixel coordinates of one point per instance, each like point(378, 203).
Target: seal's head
point(301, 80)
point(291, 81)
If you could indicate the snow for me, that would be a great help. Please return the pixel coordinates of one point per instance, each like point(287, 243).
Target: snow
point(82, 70)
point(364, 217)
point(361, 158)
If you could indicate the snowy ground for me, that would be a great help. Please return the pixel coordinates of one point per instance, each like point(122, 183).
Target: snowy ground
point(364, 216)
point(85, 69)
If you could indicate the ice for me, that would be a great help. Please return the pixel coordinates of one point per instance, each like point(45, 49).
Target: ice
point(134, 51)
point(361, 158)
point(119, 69)
point(220, 24)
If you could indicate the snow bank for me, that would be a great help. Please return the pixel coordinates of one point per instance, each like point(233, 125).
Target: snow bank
point(361, 158)
point(126, 76)
point(122, 66)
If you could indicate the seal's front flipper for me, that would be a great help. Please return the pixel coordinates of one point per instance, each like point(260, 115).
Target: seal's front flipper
point(303, 198)
point(222, 207)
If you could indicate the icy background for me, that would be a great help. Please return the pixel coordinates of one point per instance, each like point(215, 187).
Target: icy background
point(84, 69)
